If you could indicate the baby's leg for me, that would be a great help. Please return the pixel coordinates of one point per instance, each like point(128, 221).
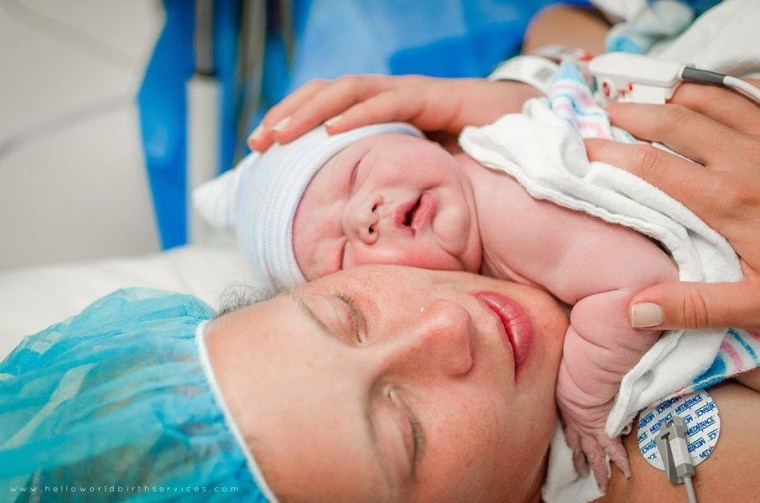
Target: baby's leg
point(600, 347)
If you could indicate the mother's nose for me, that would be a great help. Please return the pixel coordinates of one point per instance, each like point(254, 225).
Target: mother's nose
point(438, 342)
point(361, 218)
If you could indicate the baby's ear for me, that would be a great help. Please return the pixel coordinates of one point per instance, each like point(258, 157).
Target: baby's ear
point(216, 199)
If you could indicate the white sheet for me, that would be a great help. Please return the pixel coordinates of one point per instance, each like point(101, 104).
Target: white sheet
point(32, 299)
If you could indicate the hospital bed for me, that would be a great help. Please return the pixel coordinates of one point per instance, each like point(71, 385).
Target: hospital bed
point(33, 298)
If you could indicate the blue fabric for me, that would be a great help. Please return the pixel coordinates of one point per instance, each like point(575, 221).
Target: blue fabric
point(700, 6)
point(658, 21)
point(226, 32)
point(163, 114)
point(116, 398)
point(442, 38)
point(163, 122)
point(445, 38)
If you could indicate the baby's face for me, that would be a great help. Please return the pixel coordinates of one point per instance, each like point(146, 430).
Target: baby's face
point(387, 199)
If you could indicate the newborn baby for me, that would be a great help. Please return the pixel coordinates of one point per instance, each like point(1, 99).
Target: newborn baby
point(385, 194)
point(398, 199)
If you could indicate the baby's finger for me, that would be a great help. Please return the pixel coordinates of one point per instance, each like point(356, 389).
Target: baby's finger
point(618, 455)
point(721, 105)
point(687, 132)
point(596, 461)
point(698, 305)
point(579, 459)
point(689, 183)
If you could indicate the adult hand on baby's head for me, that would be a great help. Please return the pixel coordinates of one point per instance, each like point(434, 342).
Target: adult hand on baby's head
point(720, 131)
point(431, 104)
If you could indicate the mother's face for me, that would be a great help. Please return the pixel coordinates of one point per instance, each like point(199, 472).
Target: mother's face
point(388, 383)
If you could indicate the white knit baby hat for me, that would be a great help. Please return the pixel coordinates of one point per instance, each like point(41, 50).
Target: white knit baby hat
point(259, 197)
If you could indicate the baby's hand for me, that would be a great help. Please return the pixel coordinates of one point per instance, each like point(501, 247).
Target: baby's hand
point(431, 104)
point(584, 432)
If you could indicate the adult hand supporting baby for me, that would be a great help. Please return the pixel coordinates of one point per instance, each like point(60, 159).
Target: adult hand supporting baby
point(720, 130)
point(431, 104)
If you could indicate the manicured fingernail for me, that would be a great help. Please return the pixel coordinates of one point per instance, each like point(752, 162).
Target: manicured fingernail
point(256, 134)
point(334, 120)
point(280, 126)
point(646, 314)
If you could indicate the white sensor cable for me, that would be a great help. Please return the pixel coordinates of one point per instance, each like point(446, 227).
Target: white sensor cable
point(691, 74)
point(742, 86)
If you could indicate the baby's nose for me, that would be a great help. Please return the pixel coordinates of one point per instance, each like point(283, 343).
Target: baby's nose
point(364, 218)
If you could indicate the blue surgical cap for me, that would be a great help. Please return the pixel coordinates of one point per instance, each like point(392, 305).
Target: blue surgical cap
point(119, 403)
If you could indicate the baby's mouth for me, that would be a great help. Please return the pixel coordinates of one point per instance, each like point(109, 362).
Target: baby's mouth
point(414, 215)
point(403, 217)
point(409, 217)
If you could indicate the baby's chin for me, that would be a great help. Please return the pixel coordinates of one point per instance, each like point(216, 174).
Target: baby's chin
point(447, 266)
point(473, 268)
point(473, 265)
point(443, 262)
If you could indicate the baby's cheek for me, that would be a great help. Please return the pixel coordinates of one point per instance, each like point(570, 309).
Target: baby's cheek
point(316, 257)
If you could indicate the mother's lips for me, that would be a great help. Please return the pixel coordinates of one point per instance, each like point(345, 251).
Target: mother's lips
point(518, 331)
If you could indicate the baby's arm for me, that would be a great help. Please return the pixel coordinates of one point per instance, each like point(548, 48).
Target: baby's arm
point(600, 274)
point(598, 352)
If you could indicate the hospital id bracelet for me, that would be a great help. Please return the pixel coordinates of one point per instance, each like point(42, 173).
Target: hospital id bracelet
point(532, 70)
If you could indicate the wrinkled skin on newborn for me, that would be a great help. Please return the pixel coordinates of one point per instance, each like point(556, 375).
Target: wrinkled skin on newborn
point(413, 394)
point(387, 199)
